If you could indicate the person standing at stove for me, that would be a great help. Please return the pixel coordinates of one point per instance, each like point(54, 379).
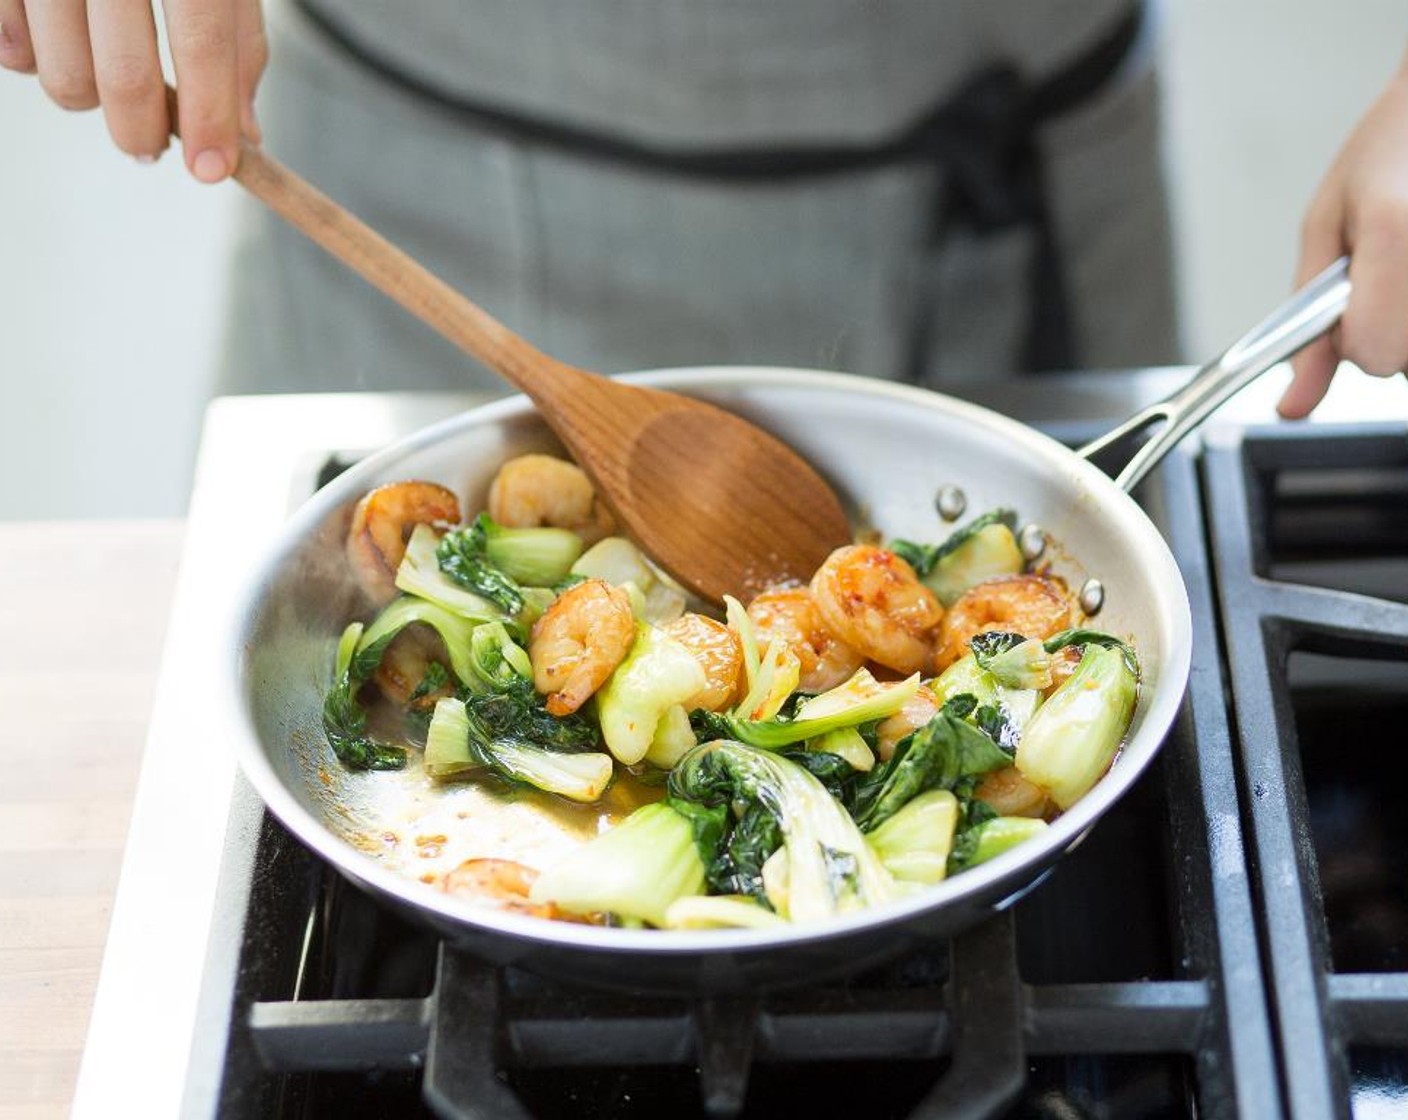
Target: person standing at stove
point(916, 190)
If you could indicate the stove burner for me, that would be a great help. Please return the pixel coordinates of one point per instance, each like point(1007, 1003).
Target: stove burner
point(1318, 668)
point(1129, 984)
point(971, 1021)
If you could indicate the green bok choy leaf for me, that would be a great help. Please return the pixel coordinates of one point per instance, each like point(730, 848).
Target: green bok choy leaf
point(824, 865)
point(461, 741)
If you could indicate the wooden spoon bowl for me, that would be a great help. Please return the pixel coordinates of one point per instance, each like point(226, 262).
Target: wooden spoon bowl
point(721, 505)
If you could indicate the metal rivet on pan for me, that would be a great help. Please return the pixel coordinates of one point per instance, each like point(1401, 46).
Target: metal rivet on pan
point(950, 501)
point(1092, 596)
point(1032, 541)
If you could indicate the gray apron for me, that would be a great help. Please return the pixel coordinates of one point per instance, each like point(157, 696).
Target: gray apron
point(464, 131)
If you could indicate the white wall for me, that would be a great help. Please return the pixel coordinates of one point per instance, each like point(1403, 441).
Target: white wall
point(1260, 94)
point(110, 294)
point(111, 280)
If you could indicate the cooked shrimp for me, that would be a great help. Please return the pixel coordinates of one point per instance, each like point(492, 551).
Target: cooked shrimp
point(501, 883)
point(534, 490)
point(1011, 794)
point(1030, 605)
point(790, 613)
point(579, 641)
point(382, 523)
point(872, 600)
point(499, 879)
point(405, 664)
point(915, 714)
point(719, 654)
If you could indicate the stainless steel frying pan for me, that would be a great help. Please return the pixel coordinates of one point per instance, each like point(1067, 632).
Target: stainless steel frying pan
point(887, 449)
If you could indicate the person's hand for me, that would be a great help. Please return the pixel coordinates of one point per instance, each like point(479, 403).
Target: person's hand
point(104, 52)
point(1361, 208)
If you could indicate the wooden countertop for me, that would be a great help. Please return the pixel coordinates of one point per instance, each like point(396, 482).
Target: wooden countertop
point(83, 613)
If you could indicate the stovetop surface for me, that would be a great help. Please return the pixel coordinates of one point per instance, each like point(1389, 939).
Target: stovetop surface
point(1228, 941)
point(1118, 959)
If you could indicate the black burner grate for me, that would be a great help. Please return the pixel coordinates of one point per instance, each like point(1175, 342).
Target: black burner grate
point(1127, 985)
point(1319, 668)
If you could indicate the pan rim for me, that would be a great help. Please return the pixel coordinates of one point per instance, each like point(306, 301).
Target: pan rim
point(999, 879)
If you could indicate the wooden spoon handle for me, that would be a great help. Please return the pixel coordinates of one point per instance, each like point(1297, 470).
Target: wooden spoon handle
point(392, 271)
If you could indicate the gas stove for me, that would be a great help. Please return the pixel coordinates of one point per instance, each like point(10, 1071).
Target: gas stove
point(1232, 939)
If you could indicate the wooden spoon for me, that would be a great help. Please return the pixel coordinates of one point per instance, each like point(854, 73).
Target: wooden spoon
point(721, 505)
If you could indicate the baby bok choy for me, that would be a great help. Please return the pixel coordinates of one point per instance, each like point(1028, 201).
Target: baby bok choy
point(455, 630)
point(983, 549)
point(461, 741)
point(420, 575)
point(988, 837)
point(722, 911)
point(948, 753)
point(485, 571)
point(1013, 660)
point(360, 651)
point(505, 702)
point(643, 698)
point(769, 674)
point(1073, 738)
point(533, 557)
point(914, 844)
point(507, 567)
point(966, 677)
point(344, 721)
point(498, 662)
point(634, 871)
point(860, 700)
point(792, 844)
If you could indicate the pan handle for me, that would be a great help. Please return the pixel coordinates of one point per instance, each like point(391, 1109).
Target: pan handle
point(1308, 314)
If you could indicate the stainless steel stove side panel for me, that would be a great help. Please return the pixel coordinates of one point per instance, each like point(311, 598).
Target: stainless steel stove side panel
point(254, 452)
point(257, 456)
point(1230, 1042)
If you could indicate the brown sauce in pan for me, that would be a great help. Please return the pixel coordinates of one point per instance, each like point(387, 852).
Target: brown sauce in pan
point(423, 828)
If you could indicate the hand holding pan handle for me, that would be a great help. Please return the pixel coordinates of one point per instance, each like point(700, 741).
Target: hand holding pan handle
point(1308, 314)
